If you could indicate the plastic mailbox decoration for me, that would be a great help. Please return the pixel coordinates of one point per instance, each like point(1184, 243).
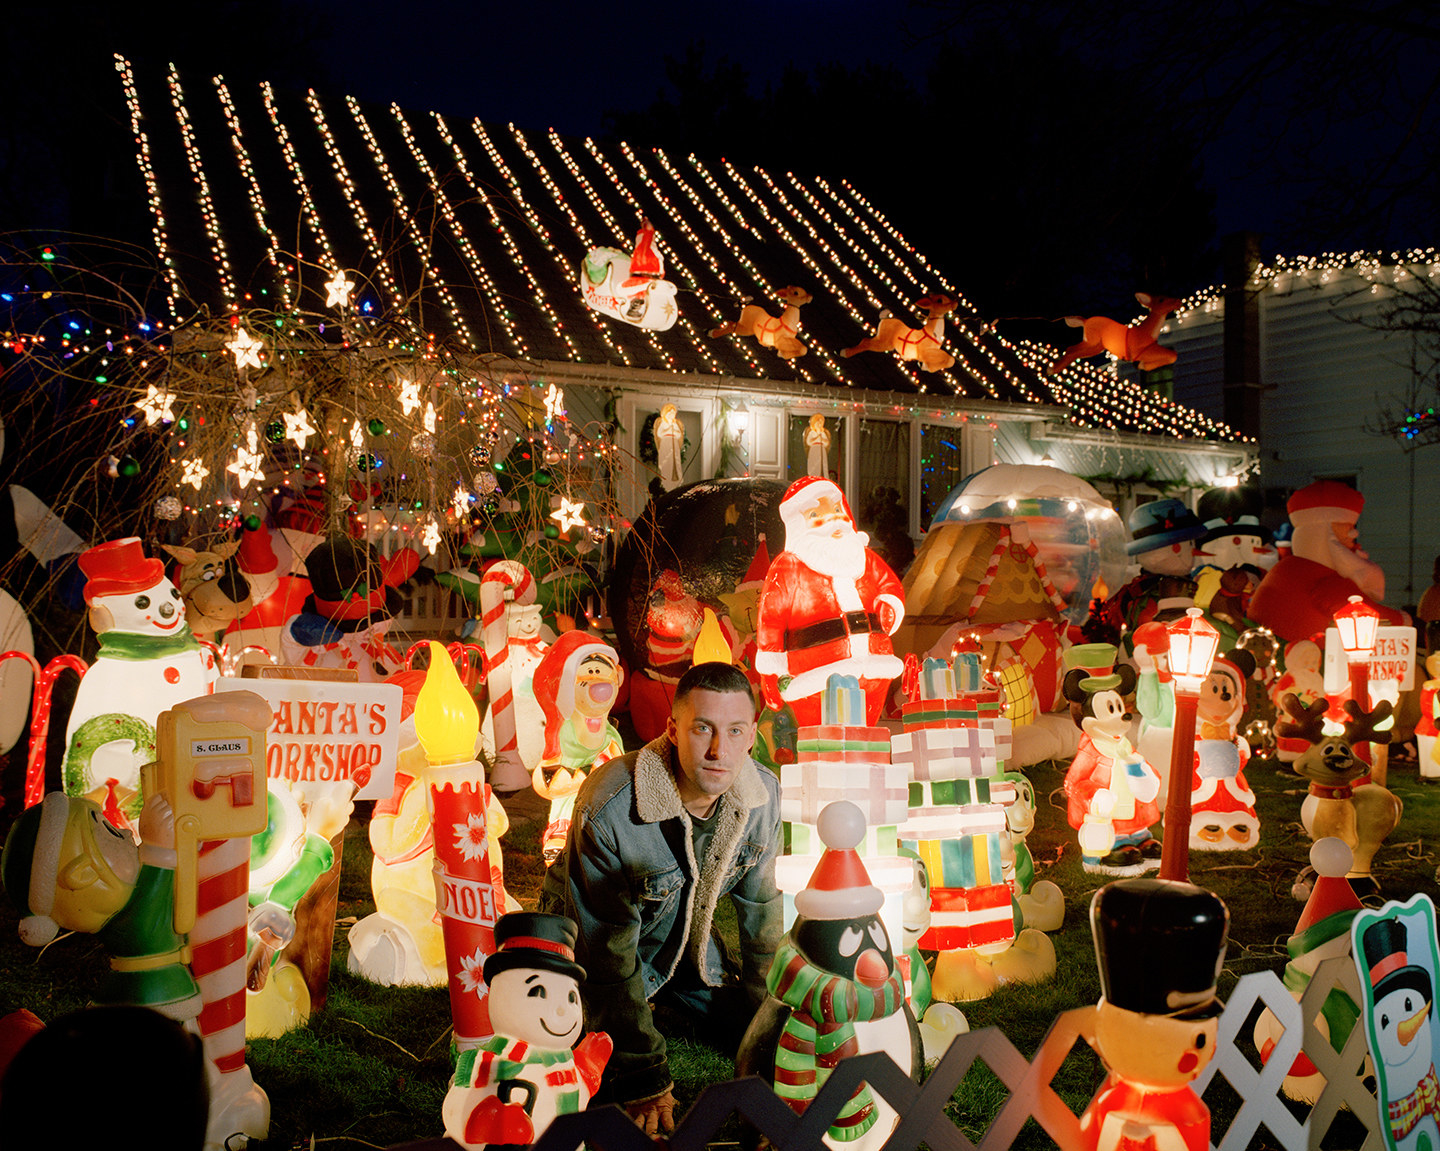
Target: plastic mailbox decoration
point(508, 1089)
point(1160, 945)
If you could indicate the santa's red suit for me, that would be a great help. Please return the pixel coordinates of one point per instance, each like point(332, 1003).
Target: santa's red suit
point(813, 625)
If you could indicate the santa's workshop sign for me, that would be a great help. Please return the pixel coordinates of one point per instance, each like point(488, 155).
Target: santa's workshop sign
point(1393, 661)
point(326, 732)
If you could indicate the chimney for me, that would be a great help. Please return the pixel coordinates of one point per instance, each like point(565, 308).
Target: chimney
point(1240, 253)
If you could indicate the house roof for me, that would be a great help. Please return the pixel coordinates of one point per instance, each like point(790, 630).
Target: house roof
point(478, 230)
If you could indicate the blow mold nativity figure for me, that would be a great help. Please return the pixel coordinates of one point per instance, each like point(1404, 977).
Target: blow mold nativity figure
point(835, 991)
point(1163, 534)
point(510, 1088)
point(1110, 789)
point(1160, 945)
point(66, 866)
point(576, 684)
point(1222, 806)
point(1299, 596)
point(1395, 951)
point(343, 622)
point(829, 606)
point(148, 661)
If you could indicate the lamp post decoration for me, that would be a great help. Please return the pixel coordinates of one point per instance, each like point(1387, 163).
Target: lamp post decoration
point(1193, 644)
point(1358, 623)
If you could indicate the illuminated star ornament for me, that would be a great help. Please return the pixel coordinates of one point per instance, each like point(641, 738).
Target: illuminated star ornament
point(157, 406)
point(570, 515)
point(195, 472)
point(357, 435)
point(298, 427)
point(409, 396)
point(429, 418)
point(554, 404)
point(338, 290)
point(247, 462)
point(460, 501)
point(246, 350)
point(431, 536)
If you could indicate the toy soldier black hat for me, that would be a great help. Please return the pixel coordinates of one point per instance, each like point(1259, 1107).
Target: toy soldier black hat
point(534, 939)
point(1384, 942)
point(1160, 944)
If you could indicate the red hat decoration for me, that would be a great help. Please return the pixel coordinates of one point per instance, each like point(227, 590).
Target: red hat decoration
point(119, 567)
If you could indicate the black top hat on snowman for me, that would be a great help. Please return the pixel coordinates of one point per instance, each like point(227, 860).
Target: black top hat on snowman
point(535, 939)
point(1385, 944)
point(1160, 945)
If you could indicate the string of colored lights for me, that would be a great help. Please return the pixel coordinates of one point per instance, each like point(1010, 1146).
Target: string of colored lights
point(610, 337)
point(152, 184)
point(486, 196)
point(475, 265)
point(297, 177)
point(207, 203)
point(693, 242)
point(357, 209)
point(253, 193)
point(424, 245)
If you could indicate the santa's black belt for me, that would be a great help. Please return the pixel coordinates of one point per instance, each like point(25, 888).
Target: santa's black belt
point(829, 630)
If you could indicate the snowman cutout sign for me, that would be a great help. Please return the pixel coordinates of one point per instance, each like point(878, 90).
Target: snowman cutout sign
point(511, 1087)
point(1395, 951)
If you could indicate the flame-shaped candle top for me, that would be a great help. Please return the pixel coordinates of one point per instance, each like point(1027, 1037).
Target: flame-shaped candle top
point(710, 645)
point(446, 718)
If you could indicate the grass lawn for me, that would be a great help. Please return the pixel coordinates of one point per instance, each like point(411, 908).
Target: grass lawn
point(372, 1067)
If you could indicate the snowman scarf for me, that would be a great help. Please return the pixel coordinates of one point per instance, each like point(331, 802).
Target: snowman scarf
point(820, 1031)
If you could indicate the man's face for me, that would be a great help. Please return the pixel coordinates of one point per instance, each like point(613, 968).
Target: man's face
point(713, 732)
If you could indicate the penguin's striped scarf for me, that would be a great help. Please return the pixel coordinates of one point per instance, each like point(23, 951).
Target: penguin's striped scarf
point(820, 1031)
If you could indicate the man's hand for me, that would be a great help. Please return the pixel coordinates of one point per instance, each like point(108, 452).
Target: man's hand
point(654, 1116)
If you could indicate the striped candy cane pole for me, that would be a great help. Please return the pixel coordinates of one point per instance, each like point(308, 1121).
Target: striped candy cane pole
point(504, 582)
point(217, 948)
point(40, 722)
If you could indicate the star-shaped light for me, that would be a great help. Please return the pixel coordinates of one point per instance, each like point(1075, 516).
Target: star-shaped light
point(570, 515)
point(246, 350)
point(429, 418)
point(338, 290)
point(247, 462)
point(554, 404)
point(430, 537)
point(460, 501)
point(194, 473)
point(409, 396)
point(298, 427)
point(357, 435)
point(157, 405)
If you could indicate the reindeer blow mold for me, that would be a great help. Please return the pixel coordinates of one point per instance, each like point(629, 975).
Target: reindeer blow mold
point(149, 661)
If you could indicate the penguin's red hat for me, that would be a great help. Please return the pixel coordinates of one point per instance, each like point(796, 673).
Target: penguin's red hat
point(840, 887)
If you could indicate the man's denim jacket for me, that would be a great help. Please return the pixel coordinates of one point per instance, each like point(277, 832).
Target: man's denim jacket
point(628, 877)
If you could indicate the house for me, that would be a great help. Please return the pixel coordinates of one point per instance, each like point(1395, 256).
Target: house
point(480, 230)
point(1296, 353)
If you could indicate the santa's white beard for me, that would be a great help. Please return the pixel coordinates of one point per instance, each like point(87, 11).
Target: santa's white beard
point(842, 558)
point(1359, 569)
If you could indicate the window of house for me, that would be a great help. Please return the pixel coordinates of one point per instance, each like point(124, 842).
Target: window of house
point(941, 467)
point(881, 499)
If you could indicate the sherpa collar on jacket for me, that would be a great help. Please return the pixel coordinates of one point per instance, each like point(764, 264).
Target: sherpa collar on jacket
point(658, 798)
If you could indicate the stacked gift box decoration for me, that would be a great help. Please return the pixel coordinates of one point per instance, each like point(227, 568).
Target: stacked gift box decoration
point(948, 747)
point(845, 758)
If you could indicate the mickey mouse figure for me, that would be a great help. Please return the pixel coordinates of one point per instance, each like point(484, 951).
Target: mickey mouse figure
point(1111, 789)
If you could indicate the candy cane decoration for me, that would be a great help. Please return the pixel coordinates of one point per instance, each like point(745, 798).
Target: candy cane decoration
point(503, 583)
point(40, 717)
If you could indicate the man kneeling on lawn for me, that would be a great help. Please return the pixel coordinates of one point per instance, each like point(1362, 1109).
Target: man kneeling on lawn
point(658, 837)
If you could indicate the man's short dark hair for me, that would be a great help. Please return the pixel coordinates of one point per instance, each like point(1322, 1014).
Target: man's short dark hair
point(713, 676)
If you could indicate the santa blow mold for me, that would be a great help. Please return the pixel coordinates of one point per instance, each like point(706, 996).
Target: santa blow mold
point(830, 606)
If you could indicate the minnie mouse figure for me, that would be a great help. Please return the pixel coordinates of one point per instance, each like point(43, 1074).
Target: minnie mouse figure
point(1111, 789)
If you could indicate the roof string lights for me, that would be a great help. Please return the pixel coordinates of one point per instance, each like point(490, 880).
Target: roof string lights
point(207, 202)
point(152, 185)
point(297, 177)
point(253, 192)
point(424, 245)
point(475, 264)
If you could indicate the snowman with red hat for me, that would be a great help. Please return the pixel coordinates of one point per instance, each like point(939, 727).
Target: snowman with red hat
point(829, 607)
point(835, 991)
point(148, 662)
